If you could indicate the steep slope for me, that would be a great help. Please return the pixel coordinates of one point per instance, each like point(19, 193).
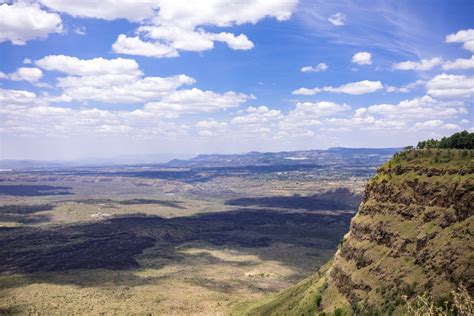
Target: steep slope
point(412, 235)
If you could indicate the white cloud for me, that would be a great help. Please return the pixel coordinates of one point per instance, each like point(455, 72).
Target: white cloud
point(428, 124)
point(89, 67)
point(121, 81)
point(450, 126)
point(211, 124)
point(27, 61)
point(16, 97)
point(424, 64)
point(109, 80)
point(319, 67)
point(463, 36)
point(22, 21)
point(355, 88)
point(317, 110)
point(337, 19)
point(460, 63)
point(195, 101)
point(179, 26)
point(30, 74)
point(121, 88)
point(257, 115)
point(405, 88)
point(23, 115)
point(307, 115)
point(418, 108)
point(306, 91)
point(451, 86)
point(235, 42)
point(50, 121)
point(135, 46)
point(105, 9)
point(210, 127)
point(80, 30)
point(423, 113)
point(362, 58)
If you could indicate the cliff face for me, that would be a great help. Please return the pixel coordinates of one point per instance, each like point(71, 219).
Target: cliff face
point(412, 235)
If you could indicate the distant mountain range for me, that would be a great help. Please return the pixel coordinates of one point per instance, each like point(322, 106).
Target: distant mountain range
point(331, 156)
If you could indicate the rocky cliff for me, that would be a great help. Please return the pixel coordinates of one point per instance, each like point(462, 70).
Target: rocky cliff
point(412, 235)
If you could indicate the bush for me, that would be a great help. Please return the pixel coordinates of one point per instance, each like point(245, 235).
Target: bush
point(458, 303)
point(318, 300)
point(338, 312)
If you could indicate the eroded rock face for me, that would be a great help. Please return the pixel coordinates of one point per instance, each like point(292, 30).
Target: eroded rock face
point(413, 234)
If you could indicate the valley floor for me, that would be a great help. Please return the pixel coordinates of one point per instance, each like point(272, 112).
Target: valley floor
point(93, 245)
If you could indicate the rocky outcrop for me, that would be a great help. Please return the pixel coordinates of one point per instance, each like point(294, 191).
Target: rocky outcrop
point(412, 235)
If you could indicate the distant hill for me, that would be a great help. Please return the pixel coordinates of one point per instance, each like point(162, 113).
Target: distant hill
point(332, 156)
point(410, 244)
point(336, 155)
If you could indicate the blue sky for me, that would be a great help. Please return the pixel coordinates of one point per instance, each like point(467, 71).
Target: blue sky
point(82, 79)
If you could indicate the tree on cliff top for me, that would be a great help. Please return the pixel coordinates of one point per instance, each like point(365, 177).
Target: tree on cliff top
point(460, 140)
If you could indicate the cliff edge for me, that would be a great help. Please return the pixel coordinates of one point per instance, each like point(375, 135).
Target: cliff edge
point(412, 236)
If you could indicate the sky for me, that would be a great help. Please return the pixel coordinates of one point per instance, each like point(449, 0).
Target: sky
point(103, 78)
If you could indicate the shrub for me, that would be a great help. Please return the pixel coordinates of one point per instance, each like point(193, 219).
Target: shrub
point(338, 312)
point(458, 303)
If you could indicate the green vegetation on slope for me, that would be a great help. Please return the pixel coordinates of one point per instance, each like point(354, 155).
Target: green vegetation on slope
point(461, 140)
point(412, 238)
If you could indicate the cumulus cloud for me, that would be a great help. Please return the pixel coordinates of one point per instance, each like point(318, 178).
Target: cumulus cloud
point(23, 21)
point(319, 67)
point(355, 88)
point(133, 11)
point(135, 46)
point(25, 113)
point(30, 74)
point(429, 124)
point(463, 36)
point(362, 58)
point(424, 64)
point(417, 113)
point(317, 110)
point(451, 86)
point(450, 127)
point(178, 26)
point(8, 97)
point(51, 121)
point(89, 67)
point(210, 127)
point(121, 88)
point(195, 101)
point(360, 87)
point(405, 88)
point(460, 63)
point(306, 91)
point(307, 115)
point(109, 80)
point(338, 19)
point(421, 107)
point(257, 115)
